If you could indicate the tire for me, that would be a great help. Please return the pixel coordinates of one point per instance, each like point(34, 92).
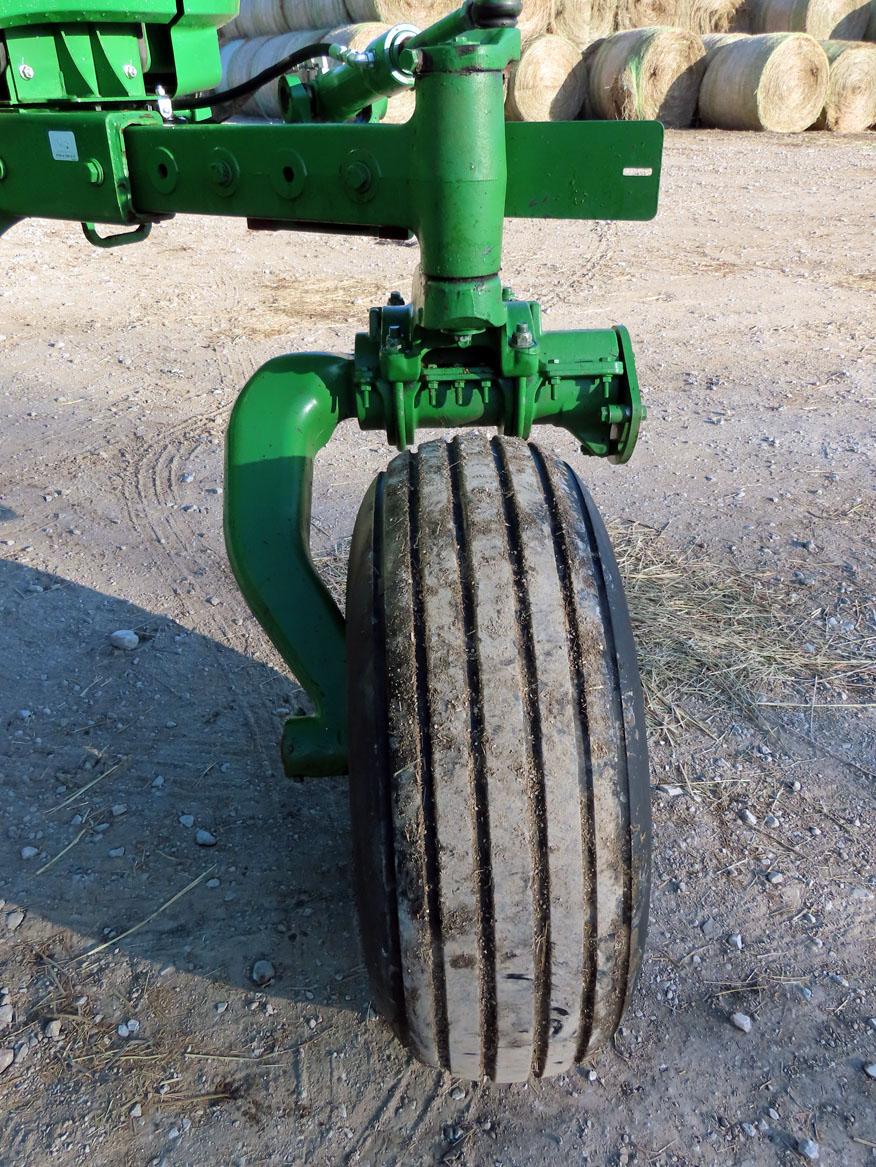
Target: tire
point(498, 763)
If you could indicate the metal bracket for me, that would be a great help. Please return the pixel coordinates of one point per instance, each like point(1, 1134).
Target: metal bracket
point(121, 239)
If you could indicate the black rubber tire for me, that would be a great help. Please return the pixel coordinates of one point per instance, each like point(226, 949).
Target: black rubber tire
point(498, 761)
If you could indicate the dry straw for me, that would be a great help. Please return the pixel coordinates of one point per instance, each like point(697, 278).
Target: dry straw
point(823, 19)
point(771, 82)
point(274, 17)
point(705, 16)
point(573, 19)
point(850, 105)
point(646, 73)
point(547, 83)
point(645, 13)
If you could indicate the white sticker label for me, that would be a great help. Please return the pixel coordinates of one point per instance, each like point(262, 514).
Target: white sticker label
point(62, 143)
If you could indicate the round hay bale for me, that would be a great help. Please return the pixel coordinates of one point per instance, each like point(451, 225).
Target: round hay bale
point(646, 73)
point(534, 19)
point(776, 81)
point(850, 105)
point(274, 17)
point(823, 19)
point(711, 16)
point(547, 83)
point(572, 19)
point(713, 41)
point(645, 13)
point(870, 34)
point(418, 12)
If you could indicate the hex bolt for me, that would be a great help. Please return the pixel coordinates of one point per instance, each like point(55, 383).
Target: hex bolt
point(130, 71)
point(522, 337)
point(25, 72)
point(507, 293)
point(396, 299)
point(94, 170)
point(356, 176)
point(221, 173)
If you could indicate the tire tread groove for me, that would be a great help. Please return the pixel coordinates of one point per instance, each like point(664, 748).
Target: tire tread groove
point(424, 729)
point(573, 641)
point(480, 812)
point(536, 792)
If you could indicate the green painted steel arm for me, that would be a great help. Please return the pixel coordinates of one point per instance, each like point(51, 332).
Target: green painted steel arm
point(284, 416)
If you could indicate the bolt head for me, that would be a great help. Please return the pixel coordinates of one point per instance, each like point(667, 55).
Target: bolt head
point(130, 71)
point(357, 177)
point(25, 72)
point(396, 299)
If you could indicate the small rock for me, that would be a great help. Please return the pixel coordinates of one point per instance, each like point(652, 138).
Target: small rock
point(861, 893)
point(212, 883)
point(457, 1094)
point(749, 1128)
point(158, 781)
point(125, 639)
point(735, 941)
point(221, 1006)
point(116, 852)
point(187, 477)
point(186, 820)
point(808, 1148)
point(13, 919)
point(136, 1110)
point(205, 838)
point(24, 714)
point(29, 852)
point(670, 791)
point(7, 1057)
point(741, 1021)
point(592, 1076)
point(52, 1029)
point(710, 928)
point(775, 877)
point(119, 808)
point(745, 816)
point(6, 1015)
point(870, 1069)
point(771, 821)
point(262, 972)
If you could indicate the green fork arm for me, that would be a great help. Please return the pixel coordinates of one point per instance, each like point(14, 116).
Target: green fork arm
point(285, 415)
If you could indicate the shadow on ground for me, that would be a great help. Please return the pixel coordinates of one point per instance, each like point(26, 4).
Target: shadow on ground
point(182, 726)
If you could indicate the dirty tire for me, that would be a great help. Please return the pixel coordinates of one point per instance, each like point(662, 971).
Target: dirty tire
point(498, 765)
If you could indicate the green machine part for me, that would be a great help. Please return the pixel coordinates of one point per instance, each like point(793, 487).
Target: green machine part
point(116, 51)
point(463, 351)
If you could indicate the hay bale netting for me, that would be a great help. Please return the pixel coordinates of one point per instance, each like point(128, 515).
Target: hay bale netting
point(850, 105)
point(645, 73)
point(547, 83)
point(274, 17)
point(844, 20)
point(573, 19)
point(776, 81)
point(711, 16)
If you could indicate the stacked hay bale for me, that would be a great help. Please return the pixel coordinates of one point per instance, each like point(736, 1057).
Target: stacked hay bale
point(822, 19)
point(850, 105)
point(547, 83)
point(645, 73)
point(773, 81)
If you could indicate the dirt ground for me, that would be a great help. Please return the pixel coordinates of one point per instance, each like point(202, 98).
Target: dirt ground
point(752, 303)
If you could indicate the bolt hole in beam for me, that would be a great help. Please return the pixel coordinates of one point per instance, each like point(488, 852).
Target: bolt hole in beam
point(288, 174)
point(163, 172)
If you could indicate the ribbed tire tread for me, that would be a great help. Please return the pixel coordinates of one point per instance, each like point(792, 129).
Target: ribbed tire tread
point(499, 780)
